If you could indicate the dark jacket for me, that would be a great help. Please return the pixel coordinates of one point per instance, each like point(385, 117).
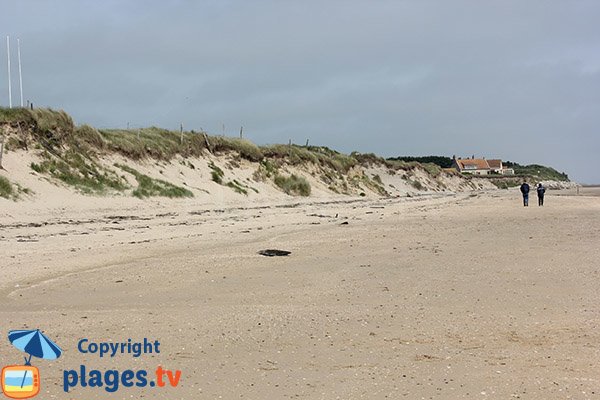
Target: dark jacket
point(525, 188)
point(540, 191)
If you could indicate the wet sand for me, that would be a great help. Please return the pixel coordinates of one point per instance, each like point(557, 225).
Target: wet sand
point(582, 191)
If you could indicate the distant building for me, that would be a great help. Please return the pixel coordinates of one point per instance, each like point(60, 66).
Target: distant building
point(475, 166)
point(495, 166)
point(480, 166)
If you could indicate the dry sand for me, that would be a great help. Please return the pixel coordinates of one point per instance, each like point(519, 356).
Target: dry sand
point(447, 296)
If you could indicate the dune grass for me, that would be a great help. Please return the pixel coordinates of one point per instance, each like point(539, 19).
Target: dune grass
point(89, 135)
point(12, 191)
point(14, 115)
point(72, 155)
point(216, 173)
point(293, 185)
point(266, 169)
point(218, 176)
point(6, 188)
point(245, 148)
point(151, 187)
point(52, 121)
point(80, 172)
point(432, 169)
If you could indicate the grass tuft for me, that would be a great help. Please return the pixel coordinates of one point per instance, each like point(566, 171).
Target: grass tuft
point(12, 191)
point(82, 173)
point(293, 185)
point(6, 188)
point(216, 172)
point(150, 187)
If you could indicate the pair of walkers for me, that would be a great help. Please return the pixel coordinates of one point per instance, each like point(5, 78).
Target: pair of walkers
point(541, 190)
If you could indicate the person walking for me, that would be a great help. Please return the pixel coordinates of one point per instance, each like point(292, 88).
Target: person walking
point(540, 192)
point(525, 192)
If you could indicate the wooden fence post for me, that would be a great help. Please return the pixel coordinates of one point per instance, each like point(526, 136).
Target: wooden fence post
point(207, 144)
point(1, 150)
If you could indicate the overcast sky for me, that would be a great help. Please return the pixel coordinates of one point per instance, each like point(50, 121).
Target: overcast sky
point(517, 80)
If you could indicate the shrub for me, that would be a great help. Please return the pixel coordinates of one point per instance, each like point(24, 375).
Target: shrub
point(6, 188)
point(293, 185)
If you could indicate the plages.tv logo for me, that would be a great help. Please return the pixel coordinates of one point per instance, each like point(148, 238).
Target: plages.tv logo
point(23, 381)
point(114, 379)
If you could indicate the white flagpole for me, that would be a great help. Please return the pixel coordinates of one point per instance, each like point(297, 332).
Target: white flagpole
point(20, 74)
point(8, 60)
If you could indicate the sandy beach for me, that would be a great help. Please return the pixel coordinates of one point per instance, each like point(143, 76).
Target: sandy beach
point(443, 296)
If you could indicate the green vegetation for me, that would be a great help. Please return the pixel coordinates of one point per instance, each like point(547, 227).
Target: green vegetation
point(12, 143)
point(245, 148)
point(416, 184)
point(318, 155)
point(55, 124)
point(293, 185)
point(432, 169)
point(374, 184)
point(80, 172)
point(540, 172)
point(506, 183)
point(91, 136)
point(368, 158)
point(14, 115)
point(440, 161)
point(11, 191)
point(240, 187)
point(217, 173)
point(150, 187)
point(72, 155)
point(266, 169)
point(48, 127)
point(162, 144)
point(137, 144)
point(6, 188)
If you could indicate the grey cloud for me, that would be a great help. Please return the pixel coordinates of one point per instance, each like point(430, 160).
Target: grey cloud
point(511, 79)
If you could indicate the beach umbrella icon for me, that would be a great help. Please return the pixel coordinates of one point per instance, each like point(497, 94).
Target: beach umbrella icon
point(34, 343)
